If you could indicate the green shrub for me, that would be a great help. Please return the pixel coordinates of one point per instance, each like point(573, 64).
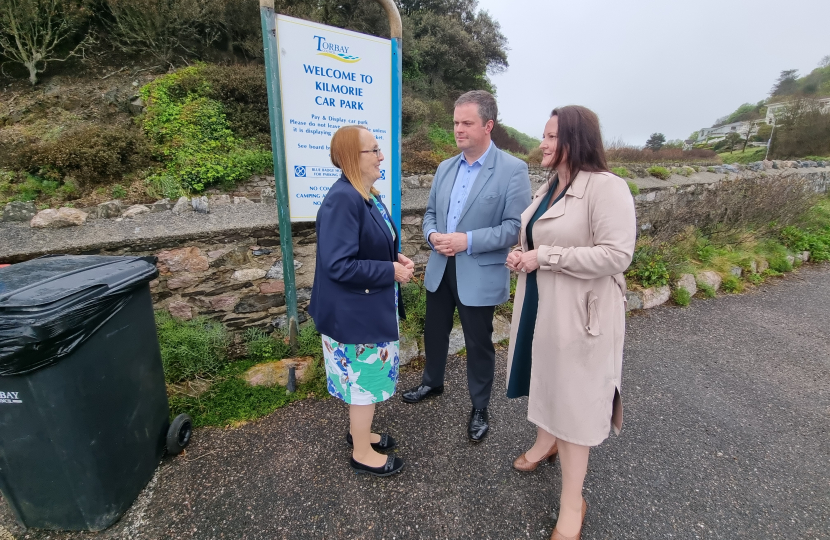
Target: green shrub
point(732, 284)
point(118, 191)
point(414, 112)
point(622, 172)
point(193, 136)
point(163, 185)
point(506, 309)
point(632, 187)
point(755, 279)
point(780, 264)
point(231, 400)
point(262, 346)
point(681, 296)
point(816, 242)
point(197, 169)
point(195, 348)
point(32, 187)
point(414, 296)
point(309, 342)
point(707, 290)
point(705, 251)
point(659, 172)
point(35, 186)
point(440, 137)
point(648, 266)
point(92, 154)
point(244, 96)
point(684, 170)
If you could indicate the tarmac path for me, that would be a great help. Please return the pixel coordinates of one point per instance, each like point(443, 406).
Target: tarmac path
point(726, 435)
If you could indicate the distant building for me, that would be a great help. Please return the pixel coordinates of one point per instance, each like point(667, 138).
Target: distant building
point(714, 134)
point(747, 128)
point(777, 108)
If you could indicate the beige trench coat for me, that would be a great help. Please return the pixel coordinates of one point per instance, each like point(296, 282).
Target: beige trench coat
point(585, 242)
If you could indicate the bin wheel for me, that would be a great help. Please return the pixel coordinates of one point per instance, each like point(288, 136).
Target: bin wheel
point(178, 436)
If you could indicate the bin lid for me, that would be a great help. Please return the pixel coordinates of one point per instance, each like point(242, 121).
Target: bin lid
point(54, 281)
point(50, 306)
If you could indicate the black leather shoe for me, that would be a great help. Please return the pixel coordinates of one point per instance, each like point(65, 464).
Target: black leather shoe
point(386, 442)
point(393, 465)
point(421, 392)
point(479, 424)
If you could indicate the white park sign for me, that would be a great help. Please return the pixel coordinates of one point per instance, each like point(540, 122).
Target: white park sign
point(330, 78)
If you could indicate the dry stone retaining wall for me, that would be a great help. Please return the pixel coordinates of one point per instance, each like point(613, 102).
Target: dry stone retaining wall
point(224, 261)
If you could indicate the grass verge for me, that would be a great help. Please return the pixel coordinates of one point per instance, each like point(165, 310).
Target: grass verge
point(751, 154)
point(230, 400)
point(724, 250)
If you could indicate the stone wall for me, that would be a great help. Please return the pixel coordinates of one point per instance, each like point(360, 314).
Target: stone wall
point(225, 264)
point(733, 200)
point(223, 261)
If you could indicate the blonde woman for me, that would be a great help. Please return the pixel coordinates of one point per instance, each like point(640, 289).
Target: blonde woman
point(355, 300)
point(576, 239)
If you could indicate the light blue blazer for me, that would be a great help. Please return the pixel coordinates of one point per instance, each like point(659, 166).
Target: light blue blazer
point(493, 213)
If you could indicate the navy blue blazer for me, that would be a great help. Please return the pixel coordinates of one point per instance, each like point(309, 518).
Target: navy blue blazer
point(353, 297)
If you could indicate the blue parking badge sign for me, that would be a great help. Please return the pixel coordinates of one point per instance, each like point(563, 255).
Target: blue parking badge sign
point(299, 170)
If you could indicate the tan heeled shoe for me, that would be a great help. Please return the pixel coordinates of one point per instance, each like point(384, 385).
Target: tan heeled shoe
point(559, 536)
point(522, 464)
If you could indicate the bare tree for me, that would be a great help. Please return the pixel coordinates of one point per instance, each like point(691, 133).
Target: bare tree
point(750, 131)
point(31, 32)
point(155, 27)
point(732, 138)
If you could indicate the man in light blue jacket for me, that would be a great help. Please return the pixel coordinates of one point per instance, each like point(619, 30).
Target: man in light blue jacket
point(472, 219)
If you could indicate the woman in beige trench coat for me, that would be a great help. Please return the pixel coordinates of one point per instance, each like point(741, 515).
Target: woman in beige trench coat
point(566, 344)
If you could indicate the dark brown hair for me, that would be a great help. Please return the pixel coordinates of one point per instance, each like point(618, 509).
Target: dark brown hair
point(581, 139)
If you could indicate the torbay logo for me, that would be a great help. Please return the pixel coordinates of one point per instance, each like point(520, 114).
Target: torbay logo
point(10, 397)
point(335, 51)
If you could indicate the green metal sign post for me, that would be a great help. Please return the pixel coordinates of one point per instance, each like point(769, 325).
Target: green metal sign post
point(272, 77)
point(278, 140)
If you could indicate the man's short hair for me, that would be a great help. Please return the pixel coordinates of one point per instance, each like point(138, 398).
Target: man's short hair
point(487, 108)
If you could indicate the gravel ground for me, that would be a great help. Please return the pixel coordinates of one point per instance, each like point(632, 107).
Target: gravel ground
point(727, 410)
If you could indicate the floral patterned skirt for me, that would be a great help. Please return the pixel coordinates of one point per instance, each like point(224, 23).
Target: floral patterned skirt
point(361, 374)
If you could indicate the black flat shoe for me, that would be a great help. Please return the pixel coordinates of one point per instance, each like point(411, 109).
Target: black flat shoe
point(393, 465)
point(421, 392)
point(479, 424)
point(386, 442)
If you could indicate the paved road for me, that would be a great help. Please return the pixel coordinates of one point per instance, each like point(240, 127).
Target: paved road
point(727, 417)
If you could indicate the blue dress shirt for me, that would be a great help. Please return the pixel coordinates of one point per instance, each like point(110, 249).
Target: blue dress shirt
point(464, 180)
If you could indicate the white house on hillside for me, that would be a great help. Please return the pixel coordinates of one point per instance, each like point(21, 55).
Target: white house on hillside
point(777, 108)
point(714, 134)
point(750, 127)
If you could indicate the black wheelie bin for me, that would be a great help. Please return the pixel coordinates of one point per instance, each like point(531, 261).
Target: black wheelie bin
point(84, 418)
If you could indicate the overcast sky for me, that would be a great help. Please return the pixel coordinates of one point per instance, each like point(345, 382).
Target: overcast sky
point(649, 66)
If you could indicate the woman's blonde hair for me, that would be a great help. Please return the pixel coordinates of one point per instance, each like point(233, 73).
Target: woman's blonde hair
point(345, 155)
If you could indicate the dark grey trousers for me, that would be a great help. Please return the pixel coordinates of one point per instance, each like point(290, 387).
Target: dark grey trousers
point(477, 323)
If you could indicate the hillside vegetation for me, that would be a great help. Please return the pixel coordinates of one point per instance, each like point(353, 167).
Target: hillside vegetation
point(145, 99)
point(802, 127)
